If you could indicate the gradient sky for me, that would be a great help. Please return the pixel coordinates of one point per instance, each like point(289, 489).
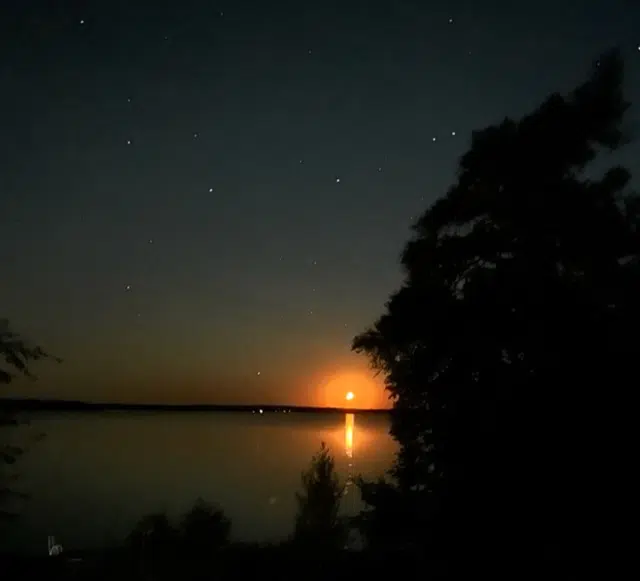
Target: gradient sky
point(205, 201)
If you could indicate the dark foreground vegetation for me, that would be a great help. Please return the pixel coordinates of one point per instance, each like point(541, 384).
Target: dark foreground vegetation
point(510, 354)
point(198, 545)
point(257, 562)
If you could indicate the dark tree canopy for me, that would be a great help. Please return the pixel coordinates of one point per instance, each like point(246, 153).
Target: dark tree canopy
point(518, 308)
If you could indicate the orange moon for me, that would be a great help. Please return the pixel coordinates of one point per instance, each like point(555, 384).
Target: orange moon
point(352, 386)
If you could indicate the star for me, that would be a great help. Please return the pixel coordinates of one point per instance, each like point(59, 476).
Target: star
point(150, 240)
point(453, 133)
point(196, 135)
point(309, 51)
point(301, 161)
point(128, 99)
point(337, 180)
point(128, 141)
point(434, 139)
point(82, 22)
point(127, 288)
point(450, 20)
point(258, 373)
point(379, 169)
point(210, 190)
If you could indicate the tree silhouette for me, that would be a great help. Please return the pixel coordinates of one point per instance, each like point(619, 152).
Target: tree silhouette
point(17, 353)
point(508, 346)
point(317, 523)
point(204, 529)
point(154, 542)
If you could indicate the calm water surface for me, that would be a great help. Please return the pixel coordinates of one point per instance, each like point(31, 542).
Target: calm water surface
point(95, 474)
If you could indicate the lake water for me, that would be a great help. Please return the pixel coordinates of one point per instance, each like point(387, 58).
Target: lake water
point(95, 474)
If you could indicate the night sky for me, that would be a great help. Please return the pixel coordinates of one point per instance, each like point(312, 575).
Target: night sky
point(205, 201)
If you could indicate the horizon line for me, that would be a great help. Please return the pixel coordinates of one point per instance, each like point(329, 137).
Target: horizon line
point(62, 404)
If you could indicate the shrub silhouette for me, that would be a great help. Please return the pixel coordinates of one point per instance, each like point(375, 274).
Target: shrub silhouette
point(158, 545)
point(317, 522)
point(204, 528)
point(154, 535)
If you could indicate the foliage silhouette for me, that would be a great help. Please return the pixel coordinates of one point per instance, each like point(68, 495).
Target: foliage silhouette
point(17, 353)
point(153, 529)
point(520, 294)
point(156, 543)
point(317, 524)
point(204, 528)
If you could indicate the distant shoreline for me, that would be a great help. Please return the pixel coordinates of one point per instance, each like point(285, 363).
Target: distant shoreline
point(27, 404)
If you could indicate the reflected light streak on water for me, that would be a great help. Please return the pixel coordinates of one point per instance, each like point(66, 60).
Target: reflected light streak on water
point(349, 427)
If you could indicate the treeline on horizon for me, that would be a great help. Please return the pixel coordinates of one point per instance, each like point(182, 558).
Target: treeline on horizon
point(35, 404)
point(510, 355)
